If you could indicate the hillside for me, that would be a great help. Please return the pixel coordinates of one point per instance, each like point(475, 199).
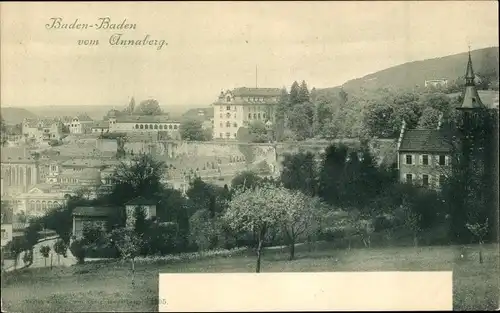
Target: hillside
point(414, 74)
point(14, 116)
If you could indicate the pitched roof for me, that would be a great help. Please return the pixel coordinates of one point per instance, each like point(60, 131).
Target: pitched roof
point(100, 124)
point(145, 119)
point(141, 201)
point(84, 117)
point(426, 140)
point(94, 211)
point(257, 92)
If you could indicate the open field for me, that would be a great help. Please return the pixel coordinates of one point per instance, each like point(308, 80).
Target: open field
point(107, 286)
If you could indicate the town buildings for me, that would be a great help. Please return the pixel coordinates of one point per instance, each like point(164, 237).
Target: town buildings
point(42, 130)
point(238, 107)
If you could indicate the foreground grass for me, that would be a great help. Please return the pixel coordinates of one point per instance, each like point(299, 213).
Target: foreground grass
point(107, 286)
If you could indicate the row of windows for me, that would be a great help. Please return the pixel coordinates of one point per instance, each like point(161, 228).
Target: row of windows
point(426, 179)
point(256, 116)
point(235, 108)
point(228, 135)
point(228, 124)
point(228, 115)
point(155, 126)
point(425, 159)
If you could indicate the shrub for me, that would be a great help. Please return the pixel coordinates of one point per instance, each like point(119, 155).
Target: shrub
point(331, 234)
point(28, 257)
point(78, 250)
point(160, 238)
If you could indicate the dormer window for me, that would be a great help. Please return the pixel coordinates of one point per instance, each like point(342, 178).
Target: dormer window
point(228, 99)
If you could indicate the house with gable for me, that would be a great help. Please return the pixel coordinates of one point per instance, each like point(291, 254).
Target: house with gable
point(99, 215)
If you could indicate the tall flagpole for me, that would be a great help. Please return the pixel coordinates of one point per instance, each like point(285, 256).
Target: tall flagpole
point(255, 76)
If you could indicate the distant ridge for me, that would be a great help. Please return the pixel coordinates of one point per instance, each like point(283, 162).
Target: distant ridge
point(14, 116)
point(414, 74)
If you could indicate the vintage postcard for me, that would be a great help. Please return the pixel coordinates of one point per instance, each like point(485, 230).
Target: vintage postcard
point(249, 156)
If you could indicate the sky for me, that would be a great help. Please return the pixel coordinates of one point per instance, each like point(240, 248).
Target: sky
point(214, 46)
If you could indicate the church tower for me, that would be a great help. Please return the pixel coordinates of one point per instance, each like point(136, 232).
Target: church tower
point(471, 101)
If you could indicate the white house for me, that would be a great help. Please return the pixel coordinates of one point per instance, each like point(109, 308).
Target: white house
point(81, 124)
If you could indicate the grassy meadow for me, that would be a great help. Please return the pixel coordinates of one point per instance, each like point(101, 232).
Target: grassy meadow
point(106, 286)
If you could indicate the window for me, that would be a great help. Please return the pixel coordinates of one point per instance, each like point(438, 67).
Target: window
point(249, 116)
point(175, 126)
point(409, 178)
point(4, 234)
point(425, 180)
point(409, 159)
point(258, 116)
point(228, 124)
point(161, 126)
point(228, 99)
point(228, 108)
point(136, 126)
point(170, 126)
point(141, 126)
point(442, 179)
point(235, 125)
point(263, 115)
point(156, 126)
point(255, 115)
point(442, 160)
point(146, 126)
point(228, 115)
point(228, 135)
point(425, 159)
point(150, 126)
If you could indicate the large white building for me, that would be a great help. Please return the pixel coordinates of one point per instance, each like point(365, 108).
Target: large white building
point(238, 107)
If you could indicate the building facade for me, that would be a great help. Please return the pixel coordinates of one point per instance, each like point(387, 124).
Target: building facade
point(239, 107)
point(436, 83)
point(143, 123)
point(424, 156)
point(81, 124)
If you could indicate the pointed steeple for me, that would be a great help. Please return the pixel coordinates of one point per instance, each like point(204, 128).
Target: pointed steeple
point(469, 74)
point(471, 97)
